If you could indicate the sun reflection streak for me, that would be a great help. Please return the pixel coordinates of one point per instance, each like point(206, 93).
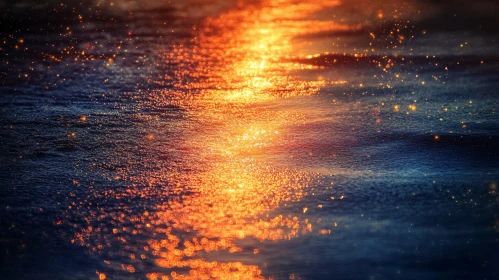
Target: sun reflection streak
point(245, 48)
point(236, 199)
point(218, 200)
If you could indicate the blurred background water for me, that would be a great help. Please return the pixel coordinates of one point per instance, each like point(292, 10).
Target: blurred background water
point(249, 140)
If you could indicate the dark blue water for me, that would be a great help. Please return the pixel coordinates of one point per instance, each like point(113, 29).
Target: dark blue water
point(254, 140)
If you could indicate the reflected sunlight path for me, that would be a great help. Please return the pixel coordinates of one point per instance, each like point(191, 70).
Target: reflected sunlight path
point(219, 212)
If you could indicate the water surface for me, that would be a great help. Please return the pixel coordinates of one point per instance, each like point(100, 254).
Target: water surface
point(256, 140)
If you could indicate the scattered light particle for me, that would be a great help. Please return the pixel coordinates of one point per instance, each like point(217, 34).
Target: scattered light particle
point(130, 268)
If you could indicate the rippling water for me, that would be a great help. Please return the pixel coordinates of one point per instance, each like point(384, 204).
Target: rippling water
point(254, 140)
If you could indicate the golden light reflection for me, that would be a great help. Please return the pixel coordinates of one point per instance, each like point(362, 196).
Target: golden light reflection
point(242, 51)
point(221, 202)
